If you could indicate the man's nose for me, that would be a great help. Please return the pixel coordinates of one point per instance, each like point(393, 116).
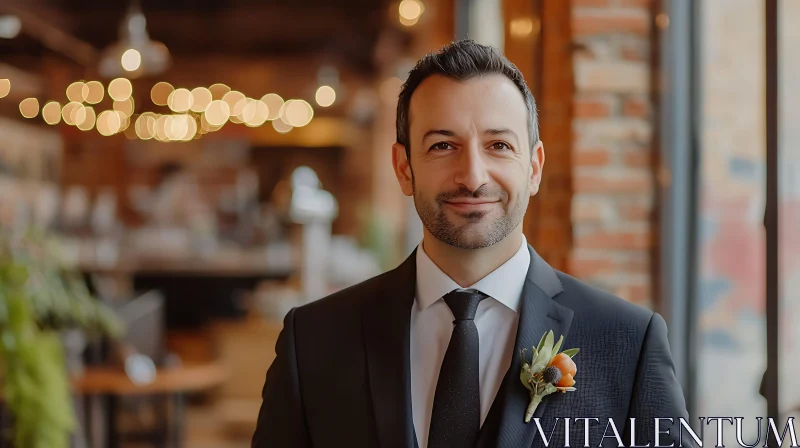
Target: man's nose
point(472, 171)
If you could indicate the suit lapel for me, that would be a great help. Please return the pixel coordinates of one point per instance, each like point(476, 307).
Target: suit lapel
point(504, 426)
point(386, 329)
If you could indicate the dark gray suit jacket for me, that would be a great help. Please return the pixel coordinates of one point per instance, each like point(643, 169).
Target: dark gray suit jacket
point(342, 377)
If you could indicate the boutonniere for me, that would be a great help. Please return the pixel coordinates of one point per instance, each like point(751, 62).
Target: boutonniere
point(548, 371)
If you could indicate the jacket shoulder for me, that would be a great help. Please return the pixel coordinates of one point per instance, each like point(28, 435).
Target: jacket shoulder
point(345, 301)
point(601, 305)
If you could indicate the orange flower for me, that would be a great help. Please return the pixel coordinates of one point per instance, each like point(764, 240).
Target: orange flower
point(566, 381)
point(567, 367)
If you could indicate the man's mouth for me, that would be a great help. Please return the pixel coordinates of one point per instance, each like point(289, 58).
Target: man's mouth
point(471, 204)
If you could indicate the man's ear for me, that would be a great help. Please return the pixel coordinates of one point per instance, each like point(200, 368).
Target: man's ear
point(537, 165)
point(402, 169)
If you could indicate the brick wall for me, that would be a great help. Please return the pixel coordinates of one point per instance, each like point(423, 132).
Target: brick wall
point(545, 61)
point(613, 150)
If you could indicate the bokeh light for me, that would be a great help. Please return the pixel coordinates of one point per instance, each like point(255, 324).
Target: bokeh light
point(282, 114)
point(201, 98)
point(78, 115)
point(274, 103)
point(180, 100)
point(124, 120)
point(145, 126)
point(127, 106)
point(180, 127)
point(120, 89)
point(29, 107)
point(96, 92)
point(151, 123)
point(205, 126)
point(521, 27)
point(161, 128)
point(281, 127)
point(232, 98)
point(160, 92)
point(217, 113)
point(131, 60)
point(191, 132)
point(297, 113)
point(5, 87)
point(218, 91)
point(238, 108)
point(108, 123)
point(77, 91)
point(410, 9)
point(408, 22)
point(255, 113)
point(88, 119)
point(51, 112)
point(325, 96)
point(176, 127)
point(69, 111)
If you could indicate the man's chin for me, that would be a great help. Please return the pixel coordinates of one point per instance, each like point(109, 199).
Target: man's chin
point(472, 238)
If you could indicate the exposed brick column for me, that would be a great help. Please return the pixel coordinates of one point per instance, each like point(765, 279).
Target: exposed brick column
point(613, 148)
point(545, 60)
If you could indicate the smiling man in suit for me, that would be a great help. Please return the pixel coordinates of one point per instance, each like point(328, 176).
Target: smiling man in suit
point(428, 354)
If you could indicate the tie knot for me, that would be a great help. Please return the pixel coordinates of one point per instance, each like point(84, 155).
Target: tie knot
point(464, 304)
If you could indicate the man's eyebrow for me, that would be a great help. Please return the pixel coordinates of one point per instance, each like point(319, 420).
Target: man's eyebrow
point(443, 132)
point(490, 131)
point(500, 131)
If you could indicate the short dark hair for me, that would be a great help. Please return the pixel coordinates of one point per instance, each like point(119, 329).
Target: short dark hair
point(462, 60)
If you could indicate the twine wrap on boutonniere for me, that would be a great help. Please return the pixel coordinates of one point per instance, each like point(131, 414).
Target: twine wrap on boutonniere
point(548, 371)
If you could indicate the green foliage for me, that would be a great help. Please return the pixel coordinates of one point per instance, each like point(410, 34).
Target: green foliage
point(571, 352)
point(39, 297)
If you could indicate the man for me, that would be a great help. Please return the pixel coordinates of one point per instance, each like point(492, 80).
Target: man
point(428, 354)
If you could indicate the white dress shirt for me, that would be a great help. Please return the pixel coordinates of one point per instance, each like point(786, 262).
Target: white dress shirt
point(432, 324)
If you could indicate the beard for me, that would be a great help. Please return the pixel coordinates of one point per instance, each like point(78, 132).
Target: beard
point(477, 229)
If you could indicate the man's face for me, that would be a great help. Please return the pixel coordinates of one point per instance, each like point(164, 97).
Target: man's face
point(471, 170)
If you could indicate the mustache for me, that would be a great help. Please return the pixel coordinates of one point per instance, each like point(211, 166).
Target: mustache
point(463, 192)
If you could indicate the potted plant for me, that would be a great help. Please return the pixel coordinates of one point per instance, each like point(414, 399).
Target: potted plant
point(40, 300)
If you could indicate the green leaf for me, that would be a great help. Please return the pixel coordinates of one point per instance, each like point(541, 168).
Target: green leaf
point(525, 376)
point(545, 354)
point(548, 340)
point(542, 341)
point(549, 389)
point(571, 352)
point(557, 346)
point(535, 356)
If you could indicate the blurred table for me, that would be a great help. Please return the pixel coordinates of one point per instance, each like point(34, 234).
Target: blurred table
point(112, 384)
point(196, 290)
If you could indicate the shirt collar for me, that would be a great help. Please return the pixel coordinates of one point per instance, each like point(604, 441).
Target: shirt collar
point(504, 284)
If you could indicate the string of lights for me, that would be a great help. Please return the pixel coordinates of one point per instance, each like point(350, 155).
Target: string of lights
point(193, 112)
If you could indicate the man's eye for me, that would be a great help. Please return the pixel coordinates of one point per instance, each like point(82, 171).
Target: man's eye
point(500, 145)
point(441, 145)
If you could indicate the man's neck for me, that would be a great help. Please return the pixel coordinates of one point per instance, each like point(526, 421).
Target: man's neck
point(467, 266)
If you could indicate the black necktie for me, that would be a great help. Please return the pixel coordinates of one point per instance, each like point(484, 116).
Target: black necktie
point(456, 413)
